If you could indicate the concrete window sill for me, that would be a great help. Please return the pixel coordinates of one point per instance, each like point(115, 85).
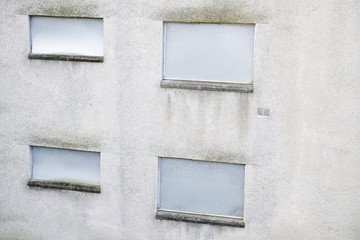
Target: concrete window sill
point(78, 58)
point(209, 86)
point(200, 218)
point(64, 186)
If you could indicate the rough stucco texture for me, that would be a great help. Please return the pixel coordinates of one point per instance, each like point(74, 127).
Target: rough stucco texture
point(302, 162)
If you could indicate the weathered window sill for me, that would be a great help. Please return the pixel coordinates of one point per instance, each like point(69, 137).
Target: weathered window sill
point(78, 58)
point(64, 186)
point(200, 218)
point(209, 86)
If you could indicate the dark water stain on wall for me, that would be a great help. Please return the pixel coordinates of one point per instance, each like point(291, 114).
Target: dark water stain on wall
point(89, 144)
point(226, 156)
point(210, 15)
point(61, 9)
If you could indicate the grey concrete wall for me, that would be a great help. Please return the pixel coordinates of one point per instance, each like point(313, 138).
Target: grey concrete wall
point(302, 162)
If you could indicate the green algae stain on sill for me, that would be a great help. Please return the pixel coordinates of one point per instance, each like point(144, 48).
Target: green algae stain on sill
point(75, 181)
point(66, 57)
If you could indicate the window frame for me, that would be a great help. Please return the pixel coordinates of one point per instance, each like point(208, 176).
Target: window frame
point(62, 185)
point(196, 217)
point(65, 57)
point(204, 84)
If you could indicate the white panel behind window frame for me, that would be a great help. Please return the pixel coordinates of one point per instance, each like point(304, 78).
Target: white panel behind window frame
point(208, 52)
point(211, 192)
point(65, 169)
point(66, 36)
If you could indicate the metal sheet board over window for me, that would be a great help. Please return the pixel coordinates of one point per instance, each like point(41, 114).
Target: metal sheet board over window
point(196, 54)
point(201, 188)
point(63, 38)
point(65, 169)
